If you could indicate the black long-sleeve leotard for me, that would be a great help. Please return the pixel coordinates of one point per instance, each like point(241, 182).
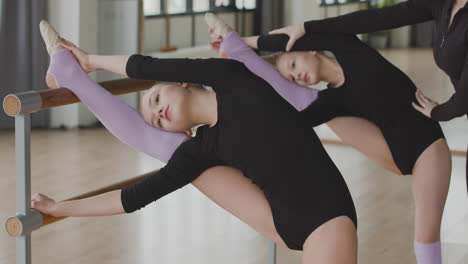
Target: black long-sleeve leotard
point(257, 132)
point(374, 89)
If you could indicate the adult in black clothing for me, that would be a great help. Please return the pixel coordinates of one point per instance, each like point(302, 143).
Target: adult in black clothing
point(247, 125)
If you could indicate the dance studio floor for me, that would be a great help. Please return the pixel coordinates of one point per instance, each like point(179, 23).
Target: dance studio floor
point(186, 227)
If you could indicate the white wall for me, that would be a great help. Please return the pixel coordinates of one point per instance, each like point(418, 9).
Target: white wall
point(117, 33)
point(88, 33)
point(298, 11)
point(82, 22)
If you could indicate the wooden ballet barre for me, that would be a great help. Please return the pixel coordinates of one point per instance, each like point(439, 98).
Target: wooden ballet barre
point(14, 225)
point(32, 101)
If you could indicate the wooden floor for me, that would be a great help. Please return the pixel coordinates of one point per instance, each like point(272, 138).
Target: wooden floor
point(185, 227)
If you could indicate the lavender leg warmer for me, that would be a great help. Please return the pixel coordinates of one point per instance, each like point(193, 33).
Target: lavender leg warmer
point(428, 253)
point(120, 119)
point(300, 97)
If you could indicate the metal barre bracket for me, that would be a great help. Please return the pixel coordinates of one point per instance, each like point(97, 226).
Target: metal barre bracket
point(22, 103)
point(21, 224)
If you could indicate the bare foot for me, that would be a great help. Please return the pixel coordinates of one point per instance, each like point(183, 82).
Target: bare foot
point(52, 41)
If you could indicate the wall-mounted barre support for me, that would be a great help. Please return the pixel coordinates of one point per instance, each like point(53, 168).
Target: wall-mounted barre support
point(30, 219)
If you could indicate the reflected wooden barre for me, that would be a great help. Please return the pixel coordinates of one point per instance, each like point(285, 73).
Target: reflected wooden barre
point(14, 225)
point(32, 101)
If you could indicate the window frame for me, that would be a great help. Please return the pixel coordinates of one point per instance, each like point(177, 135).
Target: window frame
point(189, 9)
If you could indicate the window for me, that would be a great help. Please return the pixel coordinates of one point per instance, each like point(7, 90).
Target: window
point(240, 4)
point(151, 7)
point(181, 7)
point(176, 6)
point(243, 12)
point(201, 5)
point(245, 4)
point(222, 3)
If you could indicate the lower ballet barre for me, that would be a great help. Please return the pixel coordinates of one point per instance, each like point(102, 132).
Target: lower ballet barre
point(15, 226)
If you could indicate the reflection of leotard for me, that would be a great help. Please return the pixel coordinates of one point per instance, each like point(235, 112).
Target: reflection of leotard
point(374, 89)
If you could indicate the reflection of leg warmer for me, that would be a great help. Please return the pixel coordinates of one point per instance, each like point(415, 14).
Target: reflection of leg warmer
point(120, 119)
point(428, 253)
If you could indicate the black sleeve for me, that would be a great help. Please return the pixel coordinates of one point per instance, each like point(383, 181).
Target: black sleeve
point(312, 41)
point(202, 71)
point(457, 105)
point(187, 163)
point(328, 106)
point(375, 19)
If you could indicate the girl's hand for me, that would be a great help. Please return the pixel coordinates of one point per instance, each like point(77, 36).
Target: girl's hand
point(294, 32)
point(426, 104)
point(214, 37)
point(215, 43)
point(80, 55)
point(43, 204)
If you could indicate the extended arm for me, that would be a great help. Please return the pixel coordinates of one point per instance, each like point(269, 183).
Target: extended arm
point(115, 202)
point(370, 20)
point(112, 63)
point(100, 205)
point(202, 71)
point(187, 163)
point(298, 96)
point(457, 105)
point(251, 41)
point(120, 119)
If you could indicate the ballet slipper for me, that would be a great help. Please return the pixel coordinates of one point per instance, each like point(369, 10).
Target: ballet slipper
point(52, 41)
point(219, 27)
point(50, 36)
